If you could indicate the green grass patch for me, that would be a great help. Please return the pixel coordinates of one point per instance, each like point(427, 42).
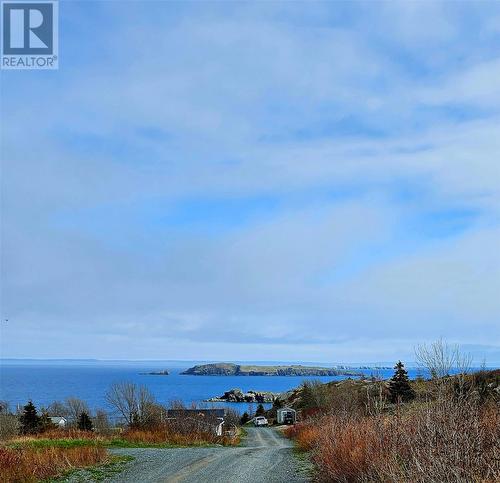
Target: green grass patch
point(242, 435)
point(305, 464)
point(113, 443)
point(122, 443)
point(56, 443)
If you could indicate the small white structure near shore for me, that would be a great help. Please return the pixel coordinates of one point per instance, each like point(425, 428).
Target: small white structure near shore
point(59, 421)
point(286, 416)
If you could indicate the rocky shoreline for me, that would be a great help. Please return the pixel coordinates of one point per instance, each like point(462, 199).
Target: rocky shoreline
point(238, 396)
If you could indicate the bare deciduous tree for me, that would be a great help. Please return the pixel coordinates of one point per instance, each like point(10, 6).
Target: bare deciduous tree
point(101, 422)
point(9, 426)
point(75, 407)
point(4, 407)
point(134, 403)
point(441, 358)
point(58, 408)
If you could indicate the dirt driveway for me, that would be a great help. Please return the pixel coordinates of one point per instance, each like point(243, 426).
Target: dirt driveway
point(265, 456)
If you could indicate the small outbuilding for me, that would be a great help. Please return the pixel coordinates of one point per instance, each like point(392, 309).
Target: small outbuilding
point(286, 416)
point(59, 421)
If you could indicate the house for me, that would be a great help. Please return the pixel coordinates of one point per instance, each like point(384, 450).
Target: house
point(210, 420)
point(286, 416)
point(59, 421)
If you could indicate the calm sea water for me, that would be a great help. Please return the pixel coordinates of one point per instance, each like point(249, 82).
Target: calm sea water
point(44, 382)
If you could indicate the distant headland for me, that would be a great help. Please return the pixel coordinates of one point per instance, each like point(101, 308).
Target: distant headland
point(228, 369)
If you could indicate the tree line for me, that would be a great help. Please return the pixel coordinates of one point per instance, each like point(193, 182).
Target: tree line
point(132, 406)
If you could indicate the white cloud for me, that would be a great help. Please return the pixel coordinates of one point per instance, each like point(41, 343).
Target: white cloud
point(333, 121)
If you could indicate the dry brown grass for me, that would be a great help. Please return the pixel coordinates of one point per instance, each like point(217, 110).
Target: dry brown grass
point(33, 464)
point(305, 435)
point(57, 434)
point(348, 449)
point(165, 434)
point(176, 434)
point(444, 440)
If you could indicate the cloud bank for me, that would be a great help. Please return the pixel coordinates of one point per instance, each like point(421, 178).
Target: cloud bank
point(272, 181)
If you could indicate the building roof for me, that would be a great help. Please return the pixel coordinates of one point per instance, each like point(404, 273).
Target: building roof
point(286, 409)
point(58, 419)
point(207, 413)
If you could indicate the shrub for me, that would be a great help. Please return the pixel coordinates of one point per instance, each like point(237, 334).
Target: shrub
point(9, 426)
point(443, 440)
point(306, 435)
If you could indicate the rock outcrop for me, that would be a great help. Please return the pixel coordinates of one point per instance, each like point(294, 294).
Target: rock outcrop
point(238, 396)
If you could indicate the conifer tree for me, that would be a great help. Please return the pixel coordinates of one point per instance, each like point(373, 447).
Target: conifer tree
point(45, 423)
point(277, 403)
point(260, 410)
point(84, 422)
point(244, 418)
point(399, 386)
point(29, 419)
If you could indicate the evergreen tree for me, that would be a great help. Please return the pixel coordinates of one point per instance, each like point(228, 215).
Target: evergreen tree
point(29, 419)
point(84, 422)
point(260, 410)
point(400, 389)
point(45, 422)
point(244, 418)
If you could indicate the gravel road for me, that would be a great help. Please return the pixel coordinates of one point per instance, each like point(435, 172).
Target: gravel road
point(265, 456)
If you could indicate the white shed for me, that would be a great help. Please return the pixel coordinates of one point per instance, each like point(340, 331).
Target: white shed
point(59, 421)
point(286, 416)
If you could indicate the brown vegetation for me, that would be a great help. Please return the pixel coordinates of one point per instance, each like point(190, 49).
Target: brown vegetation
point(33, 464)
point(35, 457)
point(45, 451)
point(165, 434)
point(448, 434)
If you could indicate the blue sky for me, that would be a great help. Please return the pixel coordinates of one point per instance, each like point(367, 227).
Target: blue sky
point(255, 180)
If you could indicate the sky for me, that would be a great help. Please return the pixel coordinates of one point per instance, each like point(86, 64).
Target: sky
point(312, 181)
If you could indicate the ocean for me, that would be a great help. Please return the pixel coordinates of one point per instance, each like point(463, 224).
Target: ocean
point(46, 381)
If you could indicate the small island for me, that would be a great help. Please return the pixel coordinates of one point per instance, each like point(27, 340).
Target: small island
point(228, 369)
point(155, 373)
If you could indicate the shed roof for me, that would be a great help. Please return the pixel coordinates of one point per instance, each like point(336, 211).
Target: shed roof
point(57, 419)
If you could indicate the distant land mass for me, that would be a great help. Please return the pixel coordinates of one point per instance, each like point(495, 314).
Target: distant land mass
point(155, 373)
point(228, 369)
point(373, 368)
